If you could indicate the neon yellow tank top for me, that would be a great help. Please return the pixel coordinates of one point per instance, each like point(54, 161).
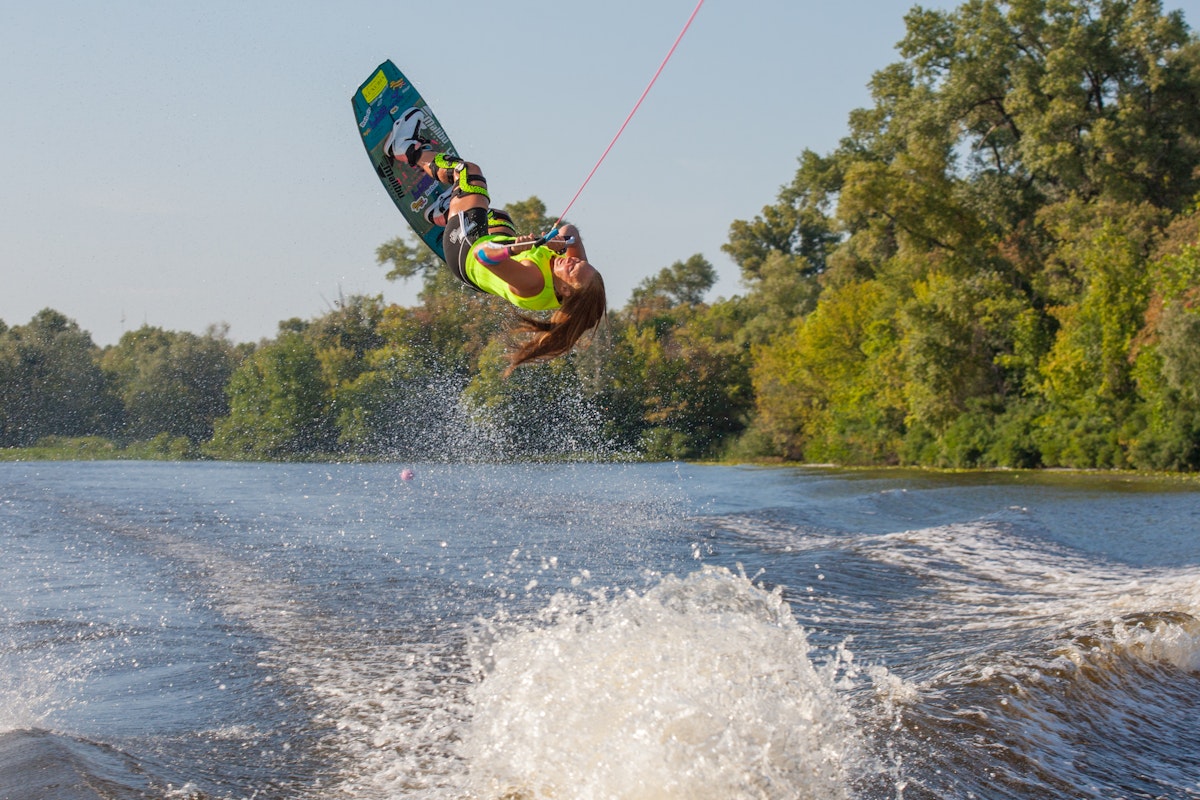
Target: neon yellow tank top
point(541, 257)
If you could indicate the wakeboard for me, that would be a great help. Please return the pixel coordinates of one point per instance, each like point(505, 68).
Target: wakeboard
point(380, 100)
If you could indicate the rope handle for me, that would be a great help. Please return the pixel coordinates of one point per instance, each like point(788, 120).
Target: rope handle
point(494, 253)
point(549, 237)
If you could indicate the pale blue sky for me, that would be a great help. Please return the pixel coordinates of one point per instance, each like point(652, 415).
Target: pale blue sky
point(182, 163)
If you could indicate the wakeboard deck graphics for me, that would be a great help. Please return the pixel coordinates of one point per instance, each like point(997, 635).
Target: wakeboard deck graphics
point(379, 101)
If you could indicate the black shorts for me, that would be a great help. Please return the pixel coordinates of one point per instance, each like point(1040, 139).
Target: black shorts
point(463, 230)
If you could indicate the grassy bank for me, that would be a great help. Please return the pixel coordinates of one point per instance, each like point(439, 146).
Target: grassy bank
point(97, 448)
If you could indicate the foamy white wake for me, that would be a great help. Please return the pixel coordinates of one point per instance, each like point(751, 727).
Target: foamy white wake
point(990, 580)
point(702, 687)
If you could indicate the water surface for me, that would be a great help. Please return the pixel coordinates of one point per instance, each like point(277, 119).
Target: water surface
point(594, 631)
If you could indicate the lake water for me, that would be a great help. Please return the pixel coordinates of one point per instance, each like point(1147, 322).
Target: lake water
point(225, 631)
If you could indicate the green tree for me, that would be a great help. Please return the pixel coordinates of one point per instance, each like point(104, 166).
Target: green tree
point(1167, 365)
point(50, 382)
point(956, 335)
point(172, 383)
point(409, 258)
point(676, 383)
point(714, 399)
point(1088, 373)
point(683, 283)
point(1001, 197)
point(831, 391)
point(1084, 98)
point(277, 405)
point(800, 224)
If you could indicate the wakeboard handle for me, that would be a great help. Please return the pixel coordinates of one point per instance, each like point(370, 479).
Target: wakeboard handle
point(547, 237)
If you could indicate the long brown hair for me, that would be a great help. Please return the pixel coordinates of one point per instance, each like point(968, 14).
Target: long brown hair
point(580, 311)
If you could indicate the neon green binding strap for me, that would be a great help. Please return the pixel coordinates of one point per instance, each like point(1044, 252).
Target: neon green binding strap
point(458, 167)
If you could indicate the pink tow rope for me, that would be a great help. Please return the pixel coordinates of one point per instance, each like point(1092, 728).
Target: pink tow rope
point(636, 106)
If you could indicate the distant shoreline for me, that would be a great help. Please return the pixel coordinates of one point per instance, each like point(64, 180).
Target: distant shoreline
point(95, 449)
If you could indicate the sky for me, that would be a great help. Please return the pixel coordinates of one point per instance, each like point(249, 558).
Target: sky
point(183, 164)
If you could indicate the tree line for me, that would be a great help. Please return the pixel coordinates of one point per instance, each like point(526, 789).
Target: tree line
point(999, 265)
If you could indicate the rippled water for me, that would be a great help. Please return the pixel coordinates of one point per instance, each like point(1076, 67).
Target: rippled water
point(594, 631)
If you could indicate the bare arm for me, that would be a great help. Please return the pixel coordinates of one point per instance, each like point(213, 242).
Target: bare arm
point(525, 278)
point(569, 231)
